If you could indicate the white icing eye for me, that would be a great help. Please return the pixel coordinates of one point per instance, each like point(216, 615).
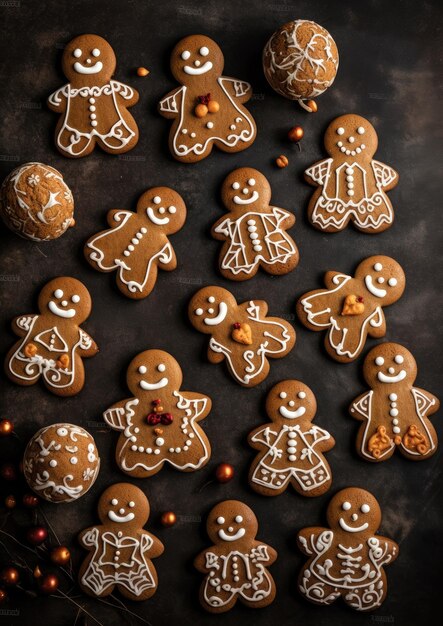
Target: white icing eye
point(77, 53)
point(131, 504)
point(75, 298)
point(62, 432)
point(283, 395)
point(301, 395)
point(185, 55)
point(172, 210)
point(198, 311)
point(161, 367)
point(251, 182)
point(380, 280)
point(142, 369)
point(211, 299)
point(235, 185)
point(238, 519)
point(114, 501)
point(156, 200)
point(220, 520)
point(204, 51)
point(365, 508)
point(291, 403)
point(378, 267)
point(346, 506)
point(96, 52)
point(399, 359)
point(340, 131)
point(361, 130)
point(392, 282)
point(58, 293)
point(379, 360)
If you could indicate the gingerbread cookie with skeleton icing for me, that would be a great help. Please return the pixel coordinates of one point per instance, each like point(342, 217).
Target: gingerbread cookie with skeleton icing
point(136, 245)
point(290, 446)
point(52, 344)
point(351, 308)
point(93, 107)
point(236, 566)
point(253, 231)
point(207, 109)
point(160, 423)
point(394, 412)
point(351, 185)
point(120, 550)
point(243, 334)
point(347, 558)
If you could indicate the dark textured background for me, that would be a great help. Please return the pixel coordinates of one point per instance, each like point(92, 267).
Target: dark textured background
point(389, 53)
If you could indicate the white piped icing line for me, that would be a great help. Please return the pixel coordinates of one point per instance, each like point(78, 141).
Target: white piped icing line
point(197, 71)
point(352, 529)
point(292, 414)
point(159, 221)
point(222, 312)
point(146, 386)
point(120, 519)
point(65, 313)
point(225, 537)
point(376, 291)
point(255, 196)
point(92, 69)
point(384, 378)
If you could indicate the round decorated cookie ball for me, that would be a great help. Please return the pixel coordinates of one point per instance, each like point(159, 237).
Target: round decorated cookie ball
point(61, 462)
point(300, 60)
point(36, 203)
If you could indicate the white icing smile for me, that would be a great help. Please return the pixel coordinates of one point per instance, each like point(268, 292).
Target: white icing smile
point(250, 200)
point(66, 313)
point(384, 378)
point(160, 221)
point(93, 69)
point(196, 71)
point(378, 293)
point(292, 414)
point(151, 386)
point(350, 529)
point(222, 312)
point(120, 519)
point(238, 535)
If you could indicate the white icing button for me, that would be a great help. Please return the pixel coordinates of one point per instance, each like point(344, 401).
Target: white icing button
point(343, 149)
point(393, 412)
point(253, 236)
point(358, 150)
point(133, 439)
point(360, 130)
point(251, 222)
point(159, 441)
point(292, 450)
point(292, 457)
point(292, 435)
point(93, 116)
point(135, 241)
point(148, 450)
point(339, 144)
point(210, 125)
point(139, 236)
point(349, 170)
point(171, 450)
point(141, 448)
point(184, 131)
point(92, 100)
point(350, 192)
point(144, 230)
point(350, 178)
point(348, 152)
point(363, 146)
point(238, 119)
point(395, 421)
point(257, 248)
point(92, 108)
point(393, 396)
point(340, 131)
point(53, 463)
point(193, 135)
point(396, 430)
point(252, 229)
point(191, 435)
point(134, 448)
point(157, 451)
point(93, 123)
point(74, 460)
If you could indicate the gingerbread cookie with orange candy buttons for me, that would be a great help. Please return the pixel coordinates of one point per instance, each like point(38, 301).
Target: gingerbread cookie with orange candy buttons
point(351, 308)
point(120, 549)
point(208, 108)
point(290, 446)
point(253, 231)
point(243, 334)
point(236, 566)
point(93, 107)
point(351, 185)
point(160, 423)
point(347, 559)
point(52, 344)
point(394, 412)
point(136, 245)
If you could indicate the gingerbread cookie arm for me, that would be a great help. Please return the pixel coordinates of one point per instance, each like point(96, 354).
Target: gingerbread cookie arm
point(201, 404)
point(215, 351)
point(88, 537)
point(221, 229)
point(126, 95)
point(360, 407)
point(87, 346)
point(263, 553)
point(390, 549)
point(385, 175)
point(257, 308)
point(167, 260)
point(263, 435)
point(169, 106)
point(58, 100)
point(22, 324)
point(426, 402)
point(117, 415)
point(307, 539)
point(238, 89)
point(317, 174)
point(207, 560)
point(152, 547)
point(332, 279)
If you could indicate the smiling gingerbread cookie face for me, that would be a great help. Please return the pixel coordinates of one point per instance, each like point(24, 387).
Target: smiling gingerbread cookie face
point(195, 57)
point(353, 511)
point(65, 298)
point(231, 521)
point(389, 364)
point(123, 504)
point(210, 308)
point(351, 135)
point(245, 188)
point(383, 278)
point(290, 400)
point(153, 371)
point(164, 207)
point(88, 59)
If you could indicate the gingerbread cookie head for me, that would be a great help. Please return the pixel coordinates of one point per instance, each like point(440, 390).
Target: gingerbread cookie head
point(88, 60)
point(65, 299)
point(383, 278)
point(123, 504)
point(246, 188)
point(351, 135)
point(211, 309)
point(388, 364)
point(290, 400)
point(153, 372)
point(230, 521)
point(196, 59)
point(164, 207)
point(354, 510)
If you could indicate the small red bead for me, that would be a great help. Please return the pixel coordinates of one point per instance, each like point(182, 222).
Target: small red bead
point(236, 325)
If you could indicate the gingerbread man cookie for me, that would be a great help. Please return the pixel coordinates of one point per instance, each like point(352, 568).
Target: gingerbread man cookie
point(53, 344)
point(347, 558)
point(291, 447)
point(253, 231)
point(393, 412)
point(350, 308)
point(93, 108)
point(120, 550)
point(236, 565)
point(137, 244)
point(160, 423)
point(242, 334)
point(351, 185)
point(207, 109)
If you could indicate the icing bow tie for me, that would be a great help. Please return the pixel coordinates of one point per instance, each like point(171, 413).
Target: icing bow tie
point(156, 418)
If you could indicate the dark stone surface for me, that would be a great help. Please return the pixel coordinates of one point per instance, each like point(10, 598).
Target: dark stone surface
point(389, 72)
